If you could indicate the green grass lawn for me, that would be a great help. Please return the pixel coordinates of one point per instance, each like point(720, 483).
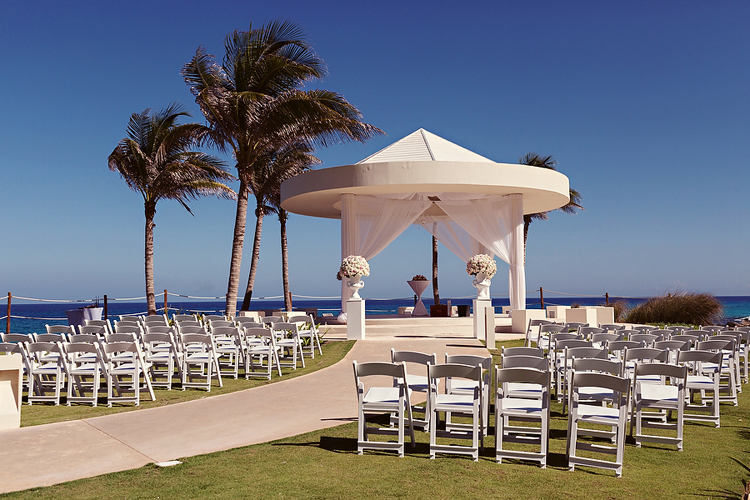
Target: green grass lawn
point(45, 413)
point(324, 464)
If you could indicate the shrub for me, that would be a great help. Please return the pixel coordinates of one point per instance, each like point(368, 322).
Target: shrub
point(677, 308)
point(620, 309)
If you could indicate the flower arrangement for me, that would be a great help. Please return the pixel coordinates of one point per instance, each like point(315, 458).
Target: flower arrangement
point(354, 265)
point(419, 277)
point(481, 263)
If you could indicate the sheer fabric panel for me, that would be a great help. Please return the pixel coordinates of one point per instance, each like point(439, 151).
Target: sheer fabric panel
point(370, 223)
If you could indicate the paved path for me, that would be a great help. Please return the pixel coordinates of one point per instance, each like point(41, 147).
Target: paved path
point(49, 454)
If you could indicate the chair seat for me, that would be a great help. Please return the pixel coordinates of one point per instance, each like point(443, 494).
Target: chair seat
point(712, 366)
point(461, 385)
point(595, 393)
point(84, 369)
point(596, 412)
point(382, 396)
point(159, 356)
point(518, 405)
point(659, 394)
point(123, 368)
point(454, 402)
point(699, 381)
point(522, 389)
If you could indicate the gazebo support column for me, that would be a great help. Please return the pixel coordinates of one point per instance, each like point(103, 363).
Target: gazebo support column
point(353, 309)
point(517, 272)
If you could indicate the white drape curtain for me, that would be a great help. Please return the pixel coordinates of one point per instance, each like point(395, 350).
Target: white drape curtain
point(497, 224)
point(369, 224)
point(454, 237)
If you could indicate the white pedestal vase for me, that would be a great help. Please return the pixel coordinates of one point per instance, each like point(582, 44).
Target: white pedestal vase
point(355, 283)
point(482, 284)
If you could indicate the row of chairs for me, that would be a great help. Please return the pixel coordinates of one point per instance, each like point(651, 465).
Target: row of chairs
point(466, 383)
point(549, 335)
point(51, 366)
point(644, 387)
point(197, 353)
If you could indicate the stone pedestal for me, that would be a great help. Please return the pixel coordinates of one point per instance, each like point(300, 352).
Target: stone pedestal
point(11, 380)
point(482, 308)
point(520, 318)
point(581, 315)
point(557, 313)
point(604, 315)
point(355, 319)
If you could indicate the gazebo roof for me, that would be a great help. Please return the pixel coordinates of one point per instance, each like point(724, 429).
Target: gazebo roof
point(428, 165)
point(424, 146)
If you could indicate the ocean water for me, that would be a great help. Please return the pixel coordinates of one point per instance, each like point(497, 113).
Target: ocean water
point(27, 318)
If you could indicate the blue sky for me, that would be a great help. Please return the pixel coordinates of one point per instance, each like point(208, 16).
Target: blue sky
point(644, 105)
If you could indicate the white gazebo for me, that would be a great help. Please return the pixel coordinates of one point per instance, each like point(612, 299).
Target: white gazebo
point(470, 203)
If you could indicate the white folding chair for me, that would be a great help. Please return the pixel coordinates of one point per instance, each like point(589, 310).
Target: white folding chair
point(263, 349)
point(570, 355)
point(162, 357)
point(199, 361)
point(125, 366)
point(513, 409)
point(520, 389)
point(100, 322)
point(307, 329)
point(543, 337)
point(287, 339)
point(596, 414)
point(46, 371)
point(727, 372)
point(465, 386)
point(701, 379)
point(229, 347)
point(533, 328)
point(383, 400)
point(463, 404)
point(85, 366)
point(660, 397)
point(416, 381)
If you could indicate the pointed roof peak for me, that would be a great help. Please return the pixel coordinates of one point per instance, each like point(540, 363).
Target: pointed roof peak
point(423, 145)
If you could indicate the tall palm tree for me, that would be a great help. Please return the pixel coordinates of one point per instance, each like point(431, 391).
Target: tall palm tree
point(571, 207)
point(253, 104)
point(273, 169)
point(156, 161)
point(435, 291)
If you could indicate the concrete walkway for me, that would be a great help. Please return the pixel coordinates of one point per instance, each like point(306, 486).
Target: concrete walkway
point(49, 454)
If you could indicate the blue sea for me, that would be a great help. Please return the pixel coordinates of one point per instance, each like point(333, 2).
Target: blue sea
point(31, 317)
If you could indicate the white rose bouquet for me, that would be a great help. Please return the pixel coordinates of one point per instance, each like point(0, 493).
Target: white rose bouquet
point(354, 265)
point(481, 263)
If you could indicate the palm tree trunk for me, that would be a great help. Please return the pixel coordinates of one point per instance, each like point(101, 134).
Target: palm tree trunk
point(283, 216)
point(259, 214)
point(526, 224)
point(435, 292)
point(237, 243)
point(150, 211)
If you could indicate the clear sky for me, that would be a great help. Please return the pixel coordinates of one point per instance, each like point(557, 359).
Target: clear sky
point(645, 106)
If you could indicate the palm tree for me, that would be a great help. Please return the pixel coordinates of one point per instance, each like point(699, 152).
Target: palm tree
point(435, 291)
point(271, 170)
point(571, 207)
point(155, 160)
point(253, 106)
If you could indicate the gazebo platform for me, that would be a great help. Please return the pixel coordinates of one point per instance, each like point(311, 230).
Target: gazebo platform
point(389, 326)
